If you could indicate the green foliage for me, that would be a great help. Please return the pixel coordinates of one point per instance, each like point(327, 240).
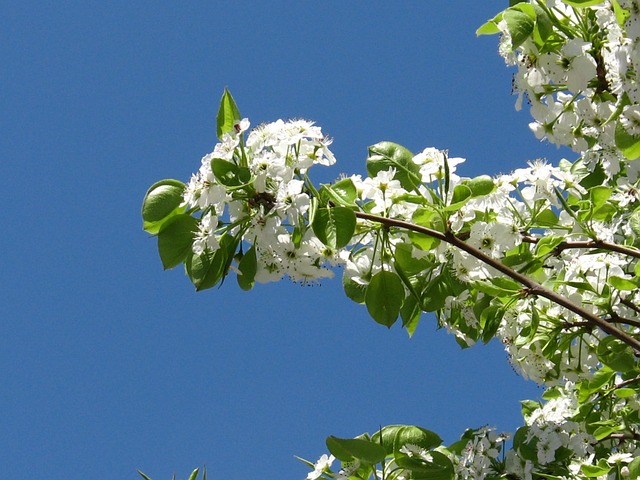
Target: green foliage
point(228, 114)
point(384, 297)
point(334, 226)
point(386, 155)
point(160, 203)
point(175, 239)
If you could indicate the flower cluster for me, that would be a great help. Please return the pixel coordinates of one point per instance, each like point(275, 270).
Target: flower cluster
point(268, 207)
point(581, 77)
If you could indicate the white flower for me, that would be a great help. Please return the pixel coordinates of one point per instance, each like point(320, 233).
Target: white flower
point(323, 463)
point(620, 458)
point(205, 236)
point(630, 119)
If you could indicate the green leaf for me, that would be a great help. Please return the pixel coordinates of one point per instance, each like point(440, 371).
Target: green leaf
point(593, 471)
point(582, 3)
point(194, 474)
point(347, 449)
point(248, 267)
point(228, 114)
point(409, 434)
point(209, 268)
point(520, 26)
point(160, 202)
point(439, 468)
point(425, 217)
point(544, 26)
point(410, 265)
point(175, 239)
point(624, 392)
point(599, 195)
point(143, 475)
point(479, 186)
point(488, 28)
point(546, 218)
point(634, 468)
point(548, 244)
point(384, 297)
point(628, 144)
point(634, 221)
point(385, 155)
point(225, 172)
point(334, 226)
point(204, 270)
point(490, 319)
point(461, 193)
point(622, 283)
point(616, 354)
point(435, 293)
point(410, 313)
point(345, 191)
point(354, 290)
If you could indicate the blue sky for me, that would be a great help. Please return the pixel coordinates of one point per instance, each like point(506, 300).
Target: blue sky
point(109, 364)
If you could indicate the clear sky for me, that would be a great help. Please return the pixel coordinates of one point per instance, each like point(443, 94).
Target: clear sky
point(107, 363)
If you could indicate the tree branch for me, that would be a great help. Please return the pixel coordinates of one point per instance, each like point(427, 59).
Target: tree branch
point(599, 244)
point(533, 287)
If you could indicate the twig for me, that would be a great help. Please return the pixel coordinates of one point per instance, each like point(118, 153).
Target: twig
point(595, 244)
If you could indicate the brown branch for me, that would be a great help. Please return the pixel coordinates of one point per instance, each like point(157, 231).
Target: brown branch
point(628, 382)
point(533, 288)
point(595, 244)
point(630, 304)
point(615, 318)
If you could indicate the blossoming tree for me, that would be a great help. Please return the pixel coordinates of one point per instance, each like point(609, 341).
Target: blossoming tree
point(544, 258)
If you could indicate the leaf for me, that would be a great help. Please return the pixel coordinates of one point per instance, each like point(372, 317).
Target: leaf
point(490, 319)
point(520, 26)
point(598, 470)
point(204, 270)
point(624, 392)
point(548, 244)
point(582, 3)
point(175, 239)
point(225, 172)
point(409, 434)
point(143, 475)
point(410, 313)
point(410, 265)
point(488, 28)
point(248, 267)
point(481, 185)
point(439, 468)
point(384, 297)
point(194, 474)
point(345, 191)
point(435, 293)
point(634, 221)
point(615, 354)
point(228, 114)
point(386, 155)
point(161, 201)
point(628, 144)
point(461, 194)
point(346, 449)
point(622, 283)
point(599, 195)
point(209, 268)
point(334, 226)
